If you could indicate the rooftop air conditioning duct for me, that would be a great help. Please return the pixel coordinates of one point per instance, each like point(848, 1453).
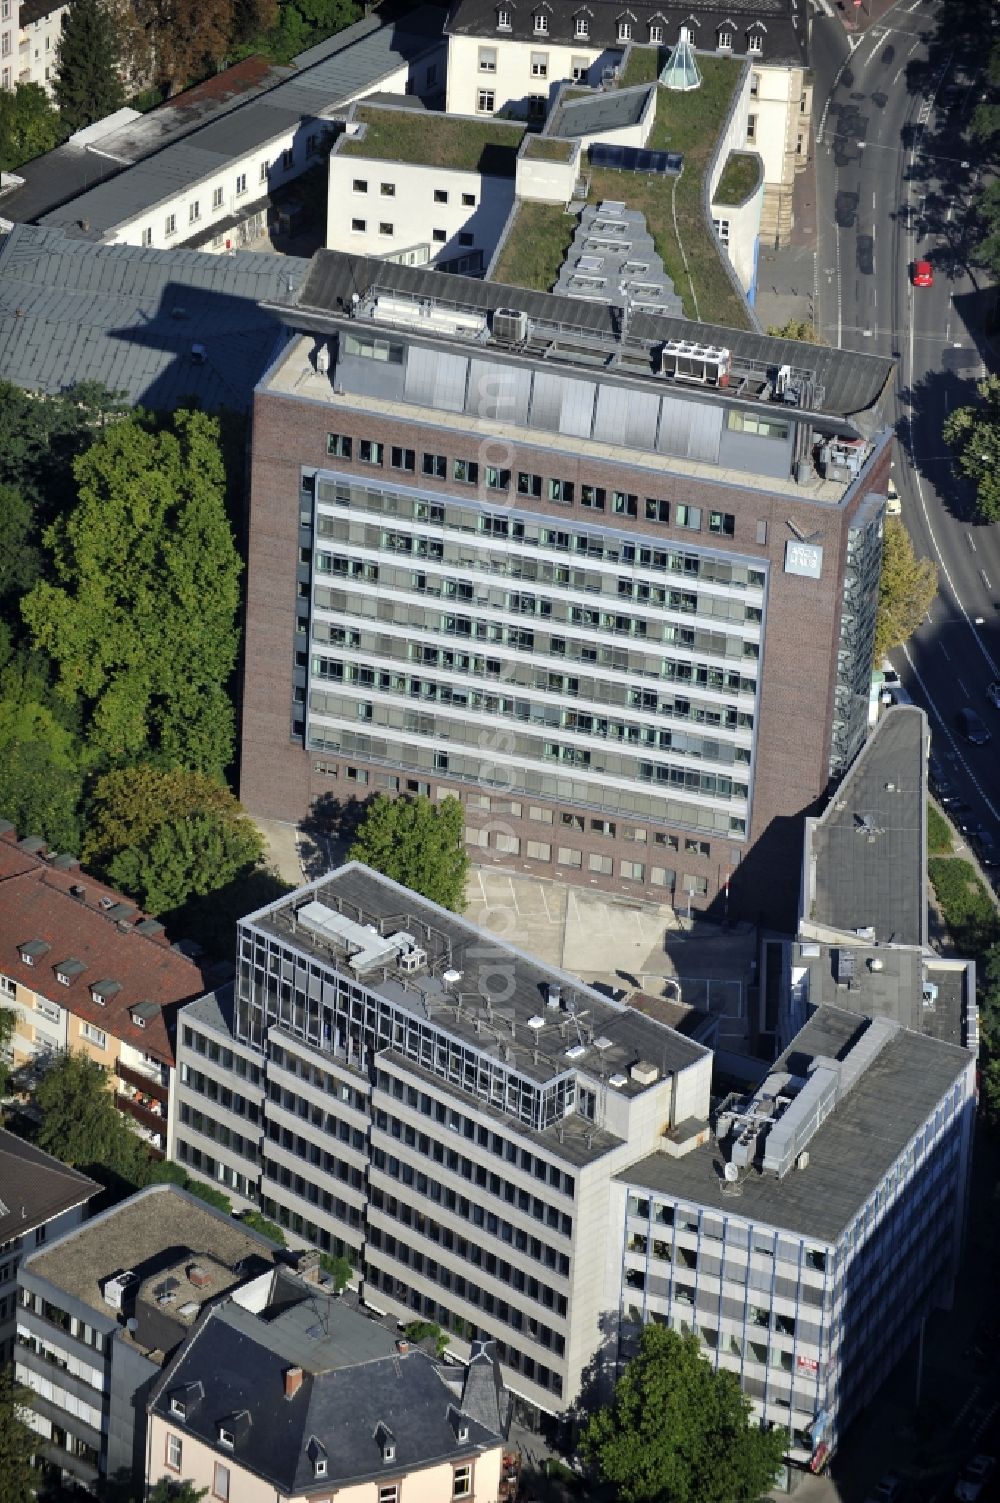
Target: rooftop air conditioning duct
point(510, 325)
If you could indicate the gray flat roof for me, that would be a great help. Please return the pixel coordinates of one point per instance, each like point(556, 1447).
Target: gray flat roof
point(71, 311)
point(590, 113)
point(893, 990)
point(148, 1233)
point(868, 849)
point(500, 989)
point(366, 54)
point(848, 385)
point(848, 1155)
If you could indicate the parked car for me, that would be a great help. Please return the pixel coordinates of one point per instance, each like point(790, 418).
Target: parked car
point(923, 274)
point(986, 848)
point(887, 1490)
point(973, 1478)
point(893, 505)
point(971, 727)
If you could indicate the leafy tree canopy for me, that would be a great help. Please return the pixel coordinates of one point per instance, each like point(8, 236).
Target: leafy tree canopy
point(28, 125)
point(174, 1490)
point(678, 1432)
point(80, 1123)
point(88, 84)
point(140, 617)
point(974, 434)
point(907, 585)
point(8, 1028)
point(417, 843)
point(41, 783)
point(259, 1223)
point(167, 836)
point(18, 1477)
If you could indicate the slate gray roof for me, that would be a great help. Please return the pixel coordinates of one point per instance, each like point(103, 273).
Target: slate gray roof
point(611, 109)
point(240, 1368)
point(71, 311)
point(895, 989)
point(35, 1187)
point(848, 1155)
point(784, 23)
point(367, 53)
point(853, 385)
point(866, 855)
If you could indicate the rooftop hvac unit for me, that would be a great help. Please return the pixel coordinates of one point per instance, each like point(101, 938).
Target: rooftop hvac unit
point(412, 959)
point(929, 993)
point(875, 964)
point(643, 1073)
point(702, 364)
point(510, 325)
point(554, 998)
point(115, 1289)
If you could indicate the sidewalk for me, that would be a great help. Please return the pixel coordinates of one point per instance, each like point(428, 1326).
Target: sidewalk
point(786, 278)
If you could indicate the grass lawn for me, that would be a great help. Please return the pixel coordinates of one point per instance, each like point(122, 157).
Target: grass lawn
point(938, 832)
point(435, 140)
point(739, 179)
point(644, 65)
point(549, 149)
point(536, 246)
point(689, 123)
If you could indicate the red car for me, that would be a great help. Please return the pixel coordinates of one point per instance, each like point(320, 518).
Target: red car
point(923, 274)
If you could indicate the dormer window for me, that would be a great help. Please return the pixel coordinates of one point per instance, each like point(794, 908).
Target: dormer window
point(581, 26)
point(541, 23)
point(226, 1437)
point(725, 41)
point(386, 1442)
point(624, 30)
point(655, 31)
point(755, 38)
point(178, 1407)
point(32, 952)
point(320, 1466)
point(68, 970)
point(503, 19)
point(102, 991)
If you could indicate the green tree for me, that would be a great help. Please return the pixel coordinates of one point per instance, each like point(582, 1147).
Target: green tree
point(80, 1123)
point(88, 85)
point(906, 587)
point(141, 617)
point(8, 1028)
point(41, 783)
point(172, 1490)
point(795, 328)
point(18, 1442)
point(973, 433)
point(259, 1223)
point(339, 1268)
point(210, 1195)
point(417, 843)
point(678, 1432)
point(28, 125)
point(165, 836)
point(19, 559)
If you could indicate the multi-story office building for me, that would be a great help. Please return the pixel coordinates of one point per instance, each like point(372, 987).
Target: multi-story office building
point(287, 1392)
point(612, 581)
point(441, 1109)
point(102, 1309)
point(84, 969)
point(823, 1223)
point(40, 1199)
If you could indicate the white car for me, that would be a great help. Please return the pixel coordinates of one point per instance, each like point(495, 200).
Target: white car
point(893, 685)
point(893, 505)
point(973, 1478)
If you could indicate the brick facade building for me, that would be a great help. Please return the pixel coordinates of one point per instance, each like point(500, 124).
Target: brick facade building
point(698, 541)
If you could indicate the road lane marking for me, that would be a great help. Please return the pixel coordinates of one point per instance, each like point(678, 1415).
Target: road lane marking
point(971, 541)
point(955, 754)
point(945, 651)
point(985, 579)
point(963, 688)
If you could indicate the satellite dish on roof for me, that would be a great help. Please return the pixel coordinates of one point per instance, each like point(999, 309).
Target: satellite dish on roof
point(730, 1173)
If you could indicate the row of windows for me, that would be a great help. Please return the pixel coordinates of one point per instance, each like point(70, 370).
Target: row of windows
point(466, 1289)
point(624, 32)
point(218, 1054)
point(616, 656)
point(387, 228)
point(478, 1174)
point(221, 1174)
point(501, 1147)
point(224, 1096)
point(314, 1075)
point(572, 859)
point(301, 1226)
point(219, 1133)
point(217, 201)
point(339, 1132)
point(388, 190)
point(608, 548)
point(526, 482)
point(430, 1309)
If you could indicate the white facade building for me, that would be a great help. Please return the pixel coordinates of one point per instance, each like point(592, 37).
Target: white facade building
point(40, 24)
point(421, 211)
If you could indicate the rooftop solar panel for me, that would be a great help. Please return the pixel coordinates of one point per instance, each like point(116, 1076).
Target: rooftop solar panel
point(633, 159)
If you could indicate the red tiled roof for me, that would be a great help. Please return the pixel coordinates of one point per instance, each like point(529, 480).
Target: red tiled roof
point(36, 903)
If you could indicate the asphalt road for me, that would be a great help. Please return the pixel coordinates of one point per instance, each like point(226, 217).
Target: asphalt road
point(895, 169)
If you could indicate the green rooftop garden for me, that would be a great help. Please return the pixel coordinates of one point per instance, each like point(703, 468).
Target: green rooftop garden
point(536, 246)
point(429, 139)
point(740, 177)
point(686, 122)
point(644, 65)
point(549, 149)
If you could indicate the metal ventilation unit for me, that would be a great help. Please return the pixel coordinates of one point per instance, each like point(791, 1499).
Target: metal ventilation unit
point(510, 325)
point(701, 364)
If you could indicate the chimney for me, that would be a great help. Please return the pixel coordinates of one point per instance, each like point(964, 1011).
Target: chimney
point(402, 1346)
point(198, 1276)
point(293, 1381)
point(308, 1266)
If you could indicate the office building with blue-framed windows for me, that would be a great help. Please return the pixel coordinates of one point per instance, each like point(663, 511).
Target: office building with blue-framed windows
point(806, 1243)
